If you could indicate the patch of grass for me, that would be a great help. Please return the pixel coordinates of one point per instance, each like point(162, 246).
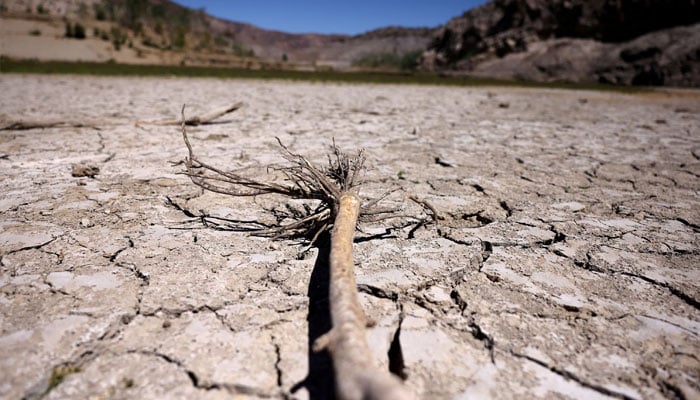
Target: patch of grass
point(403, 62)
point(8, 65)
point(59, 374)
point(378, 60)
point(128, 383)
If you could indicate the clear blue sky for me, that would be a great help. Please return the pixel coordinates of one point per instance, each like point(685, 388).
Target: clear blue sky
point(334, 16)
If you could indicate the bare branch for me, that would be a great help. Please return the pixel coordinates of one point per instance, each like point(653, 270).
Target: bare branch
point(203, 119)
point(27, 124)
point(357, 375)
point(425, 204)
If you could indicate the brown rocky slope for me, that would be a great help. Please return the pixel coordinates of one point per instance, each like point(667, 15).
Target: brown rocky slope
point(654, 42)
point(160, 31)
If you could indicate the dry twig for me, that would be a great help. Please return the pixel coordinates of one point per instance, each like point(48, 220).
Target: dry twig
point(26, 124)
point(357, 375)
point(203, 119)
point(436, 216)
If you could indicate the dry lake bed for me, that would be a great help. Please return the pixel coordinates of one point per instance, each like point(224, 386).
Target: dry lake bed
point(565, 262)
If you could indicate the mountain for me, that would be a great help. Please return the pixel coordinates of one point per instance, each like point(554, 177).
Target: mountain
point(624, 42)
point(646, 42)
point(159, 31)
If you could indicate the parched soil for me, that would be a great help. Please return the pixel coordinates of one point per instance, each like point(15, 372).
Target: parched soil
point(565, 263)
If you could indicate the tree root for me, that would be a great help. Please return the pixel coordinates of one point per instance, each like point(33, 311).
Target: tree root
point(357, 375)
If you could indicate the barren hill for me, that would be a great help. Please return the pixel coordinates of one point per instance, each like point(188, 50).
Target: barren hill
point(653, 42)
point(163, 32)
point(625, 42)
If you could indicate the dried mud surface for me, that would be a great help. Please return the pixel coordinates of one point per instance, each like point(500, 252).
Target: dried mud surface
point(566, 263)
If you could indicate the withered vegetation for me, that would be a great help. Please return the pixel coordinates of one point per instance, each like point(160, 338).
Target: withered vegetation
point(334, 187)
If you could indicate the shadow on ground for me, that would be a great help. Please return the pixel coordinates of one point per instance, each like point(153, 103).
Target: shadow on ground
point(320, 381)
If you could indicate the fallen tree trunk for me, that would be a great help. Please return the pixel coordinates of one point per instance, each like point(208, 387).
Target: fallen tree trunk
point(357, 375)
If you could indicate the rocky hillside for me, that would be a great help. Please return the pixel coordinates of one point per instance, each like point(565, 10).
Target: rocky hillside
point(162, 31)
point(627, 42)
point(613, 41)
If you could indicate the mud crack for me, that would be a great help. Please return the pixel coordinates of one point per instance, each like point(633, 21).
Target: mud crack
point(113, 257)
point(33, 247)
point(573, 377)
point(196, 380)
point(696, 228)
point(688, 299)
point(278, 368)
point(479, 334)
point(58, 374)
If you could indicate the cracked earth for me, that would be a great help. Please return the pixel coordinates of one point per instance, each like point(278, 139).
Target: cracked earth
point(565, 262)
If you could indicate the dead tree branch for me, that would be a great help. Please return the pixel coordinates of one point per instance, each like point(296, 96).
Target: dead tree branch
point(203, 119)
point(23, 125)
point(358, 377)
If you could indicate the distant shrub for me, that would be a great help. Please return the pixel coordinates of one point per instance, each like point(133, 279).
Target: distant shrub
point(409, 61)
point(35, 32)
point(241, 51)
point(158, 10)
point(149, 43)
point(75, 31)
point(118, 38)
point(205, 42)
point(41, 10)
point(220, 41)
point(82, 10)
point(183, 18)
point(378, 60)
point(133, 12)
point(78, 31)
point(404, 62)
point(178, 39)
point(99, 11)
point(138, 28)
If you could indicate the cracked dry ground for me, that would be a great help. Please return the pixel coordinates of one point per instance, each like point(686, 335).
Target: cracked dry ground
point(566, 264)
